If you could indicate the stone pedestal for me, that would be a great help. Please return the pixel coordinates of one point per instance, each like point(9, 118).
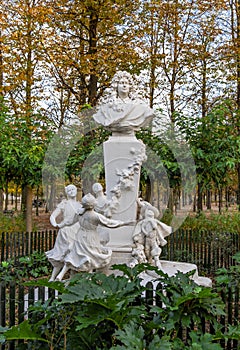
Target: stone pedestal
point(117, 238)
point(171, 268)
point(123, 156)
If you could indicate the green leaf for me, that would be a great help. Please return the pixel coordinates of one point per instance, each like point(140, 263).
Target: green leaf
point(59, 286)
point(160, 343)
point(131, 337)
point(23, 331)
point(203, 342)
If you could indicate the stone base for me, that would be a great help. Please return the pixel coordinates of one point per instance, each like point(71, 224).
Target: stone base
point(172, 267)
point(121, 256)
point(169, 267)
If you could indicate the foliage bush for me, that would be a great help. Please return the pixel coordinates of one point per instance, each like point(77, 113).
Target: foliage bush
point(225, 222)
point(230, 277)
point(95, 311)
point(33, 266)
point(210, 221)
point(13, 223)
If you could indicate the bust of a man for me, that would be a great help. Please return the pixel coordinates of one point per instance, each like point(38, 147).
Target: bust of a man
point(122, 110)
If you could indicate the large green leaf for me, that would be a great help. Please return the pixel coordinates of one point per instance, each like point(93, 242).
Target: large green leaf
point(23, 331)
point(203, 342)
point(131, 337)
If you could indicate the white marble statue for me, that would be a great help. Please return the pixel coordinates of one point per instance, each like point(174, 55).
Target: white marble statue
point(69, 209)
point(122, 110)
point(149, 236)
point(143, 206)
point(87, 253)
point(101, 198)
point(113, 203)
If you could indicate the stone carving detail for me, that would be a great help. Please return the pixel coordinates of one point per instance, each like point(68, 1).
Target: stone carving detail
point(122, 109)
point(87, 253)
point(126, 180)
point(101, 199)
point(126, 176)
point(70, 209)
point(148, 237)
point(113, 204)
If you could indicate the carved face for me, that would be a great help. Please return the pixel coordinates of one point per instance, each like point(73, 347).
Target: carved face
point(123, 87)
point(71, 191)
point(97, 187)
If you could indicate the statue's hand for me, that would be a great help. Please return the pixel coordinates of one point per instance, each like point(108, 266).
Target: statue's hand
point(80, 211)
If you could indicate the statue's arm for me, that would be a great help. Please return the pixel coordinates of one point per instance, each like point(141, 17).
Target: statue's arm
point(54, 215)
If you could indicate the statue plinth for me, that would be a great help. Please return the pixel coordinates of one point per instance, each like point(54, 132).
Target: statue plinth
point(123, 156)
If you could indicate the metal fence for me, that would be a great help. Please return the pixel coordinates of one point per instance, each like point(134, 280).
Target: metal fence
point(18, 244)
point(208, 250)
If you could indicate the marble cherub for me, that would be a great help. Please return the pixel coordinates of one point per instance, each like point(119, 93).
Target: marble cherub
point(148, 237)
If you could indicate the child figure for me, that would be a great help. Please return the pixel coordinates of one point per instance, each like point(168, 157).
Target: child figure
point(150, 234)
point(87, 253)
point(70, 209)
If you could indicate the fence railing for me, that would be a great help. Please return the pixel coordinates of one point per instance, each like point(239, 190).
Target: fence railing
point(230, 296)
point(208, 250)
point(15, 299)
point(18, 244)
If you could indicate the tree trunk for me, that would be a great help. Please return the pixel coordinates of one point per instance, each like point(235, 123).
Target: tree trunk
point(147, 196)
point(1, 200)
point(16, 199)
point(238, 186)
point(209, 195)
point(1, 95)
point(92, 86)
point(37, 203)
point(171, 201)
point(236, 42)
point(194, 204)
point(220, 200)
point(199, 197)
point(52, 197)
point(27, 194)
point(6, 196)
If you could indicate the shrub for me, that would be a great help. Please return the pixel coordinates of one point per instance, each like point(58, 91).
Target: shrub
point(14, 223)
point(34, 265)
point(225, 222)
point(95, 311)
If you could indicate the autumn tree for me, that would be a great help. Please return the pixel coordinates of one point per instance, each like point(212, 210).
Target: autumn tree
point(214, 145)
point(231, 51)
point(88, 42)
point(205, 62)
point(22, 72)
point(164, 34)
